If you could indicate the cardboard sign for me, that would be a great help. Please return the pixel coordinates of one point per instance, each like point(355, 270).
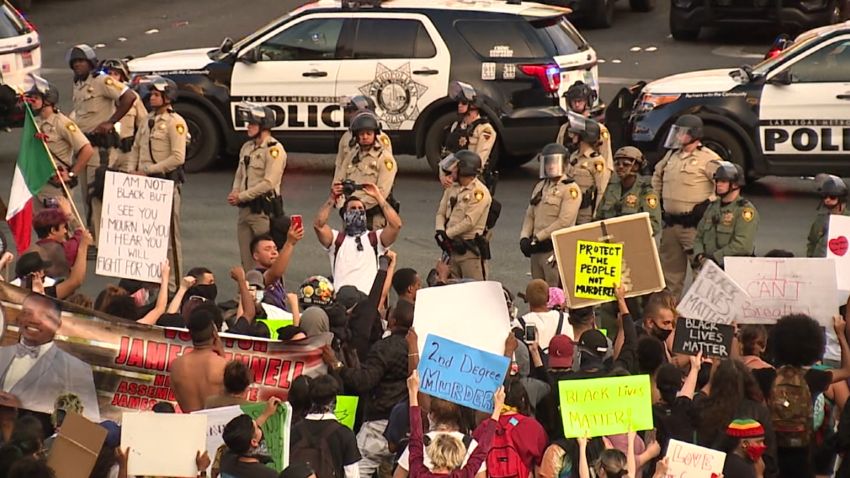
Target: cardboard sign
point(460, 374)
point(710, 338)
point(640, 271)
point(152, 454)
point(713, 297)
point(692, 461)
point(75, 449)
point(346, 410)
point(598, 269)
point(781, 286)
point(837, 248)
point(134, 227)
point(473, 314)
point(605, 406)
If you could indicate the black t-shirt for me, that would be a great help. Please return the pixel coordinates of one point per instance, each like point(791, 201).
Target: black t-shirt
point(341, 442)
point(250, 328)
point(171, 320)
point(674, 421)
point(737, 467)
point(231, 467)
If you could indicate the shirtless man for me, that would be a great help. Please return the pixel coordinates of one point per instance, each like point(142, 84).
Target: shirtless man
point(198, 375)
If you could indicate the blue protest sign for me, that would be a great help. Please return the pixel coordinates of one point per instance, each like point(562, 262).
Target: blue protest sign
point(460, 374)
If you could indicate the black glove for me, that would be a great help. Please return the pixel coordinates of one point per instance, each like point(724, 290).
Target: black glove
point(443, 241)
point(525, 246)
point(698, 260)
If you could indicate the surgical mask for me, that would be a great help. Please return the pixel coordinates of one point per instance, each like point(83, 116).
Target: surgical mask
point(141, 297)
point(754, 452)
point(661, 334)
point(355, 222)
point(207, 291)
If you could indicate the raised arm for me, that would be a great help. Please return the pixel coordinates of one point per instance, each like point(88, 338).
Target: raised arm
point(162, 297)
point(278, 268)
point(320, 224)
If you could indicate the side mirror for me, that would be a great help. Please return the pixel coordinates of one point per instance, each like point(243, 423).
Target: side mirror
point(226, 45)
point(250, 56)
point(783, 78)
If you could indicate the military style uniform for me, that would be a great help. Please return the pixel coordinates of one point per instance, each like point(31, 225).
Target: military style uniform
point(604, 138)
point(94, 102)
point(64, 140)
point(258, 176)
point(375, 165)
point(683, 180)
point(129, 124)
point(592, 172)
point(727, 230)
point(554, 205)
point(463, 215)
point(639, 198)
point(160, 151)
point(478, 137)
point(819, 232)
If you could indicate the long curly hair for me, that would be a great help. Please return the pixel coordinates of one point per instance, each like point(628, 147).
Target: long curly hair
point(731, 384)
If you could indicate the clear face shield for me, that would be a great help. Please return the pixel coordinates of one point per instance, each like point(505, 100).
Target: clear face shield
point(461, 92)
point(39, 85)
point(249, 113)
point(678, 137)
point(448, 165)
point(577, 123)
point(552, 165)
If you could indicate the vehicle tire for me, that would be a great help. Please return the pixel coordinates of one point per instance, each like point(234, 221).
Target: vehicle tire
point(603, 17)
point(642, 5)
point(436, 137)
point(681, 33)
point(725, 144)
point(204, 143)
point(835, 13)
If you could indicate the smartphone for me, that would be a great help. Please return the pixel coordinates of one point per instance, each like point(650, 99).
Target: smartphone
point(530, 333)
point(296, 221)
point(27, 282)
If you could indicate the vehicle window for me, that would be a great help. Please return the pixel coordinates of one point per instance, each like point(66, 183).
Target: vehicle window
point(309, 40)
point(829, 64)
point(499, 39)
point(9, 24)
point(392, 38)
point(559, 37)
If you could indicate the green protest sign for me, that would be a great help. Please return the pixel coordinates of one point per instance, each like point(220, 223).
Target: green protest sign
point(605, 406)
point(346, 410)
point(275, 432)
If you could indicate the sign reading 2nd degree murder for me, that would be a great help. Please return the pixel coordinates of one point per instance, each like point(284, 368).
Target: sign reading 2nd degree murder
point(598, 269)
point(460, 374)
point(605, 406)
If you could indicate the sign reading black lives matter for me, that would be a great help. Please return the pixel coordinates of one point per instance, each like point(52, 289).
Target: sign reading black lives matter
point(134, 226)
point(710, 338)
point(714, 297)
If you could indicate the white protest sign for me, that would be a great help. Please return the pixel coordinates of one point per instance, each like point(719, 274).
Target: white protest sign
point(779, 286)
point(163, 444)
point(134, 227)
point(685, 459)
point(837, 248)
point(473, 314)
point(217, 418)
point(713, 297)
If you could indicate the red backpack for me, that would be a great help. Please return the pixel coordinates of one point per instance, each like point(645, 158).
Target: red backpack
point(503, 460)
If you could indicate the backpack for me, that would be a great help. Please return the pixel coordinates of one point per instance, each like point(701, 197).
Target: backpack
point(314, 450)
point(340, 238)
point(503, 460)
point(791, 408)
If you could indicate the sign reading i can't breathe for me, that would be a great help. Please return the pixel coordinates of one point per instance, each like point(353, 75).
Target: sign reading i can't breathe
point(598, 269)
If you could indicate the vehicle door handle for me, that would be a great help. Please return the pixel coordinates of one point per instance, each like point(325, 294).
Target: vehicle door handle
point(426, 72)
point(315, 74)
point(845, 96)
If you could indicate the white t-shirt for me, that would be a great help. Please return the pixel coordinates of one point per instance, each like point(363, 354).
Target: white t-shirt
point(404, 459)
point(547, 326)
point(354, 267)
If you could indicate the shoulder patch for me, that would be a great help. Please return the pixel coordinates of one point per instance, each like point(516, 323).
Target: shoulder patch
point(479, 194)
point(109, 81)
point(71, 126)
point(274, 153)
point(599, 165)
point(574, 193)
point(652, 201)
point(389, 165)
point(385, 140)
point(181, 129)
point(747, 214)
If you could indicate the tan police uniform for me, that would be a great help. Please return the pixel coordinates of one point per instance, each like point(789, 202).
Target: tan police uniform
point(345, 147)
point(554, 205)
point(159, 151)
point(683, 180)
point(375, 165)
point(463, 215)
point(478, 137)
point(604, 139)
point(591, 171)
point(129, 124)
point(94, 102)
point(259, 174)
point(64, 140)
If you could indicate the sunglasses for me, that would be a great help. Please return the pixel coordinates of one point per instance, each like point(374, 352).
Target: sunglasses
point(624, 162)
point(359, 242)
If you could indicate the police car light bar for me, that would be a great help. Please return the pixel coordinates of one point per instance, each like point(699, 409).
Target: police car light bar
point(358, 4)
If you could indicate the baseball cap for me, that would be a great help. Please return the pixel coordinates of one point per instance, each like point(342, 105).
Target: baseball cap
point(255, 279)
point(29, 263)
point(537, 292)
point(593, 341)
point(561, 352)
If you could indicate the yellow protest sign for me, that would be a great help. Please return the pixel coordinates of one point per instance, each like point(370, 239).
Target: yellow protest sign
point(598, 269)
point(605, 406)
point(346, 410)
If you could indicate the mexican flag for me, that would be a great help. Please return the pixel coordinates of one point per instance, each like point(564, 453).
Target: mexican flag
point(33, 170)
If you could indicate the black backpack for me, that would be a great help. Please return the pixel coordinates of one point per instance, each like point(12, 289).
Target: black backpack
point(312, 448)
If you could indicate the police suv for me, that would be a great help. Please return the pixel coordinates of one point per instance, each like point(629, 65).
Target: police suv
point(787, 116)
point(520, 56)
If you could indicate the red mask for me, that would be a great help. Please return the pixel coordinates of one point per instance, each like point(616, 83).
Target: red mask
point(755, 451)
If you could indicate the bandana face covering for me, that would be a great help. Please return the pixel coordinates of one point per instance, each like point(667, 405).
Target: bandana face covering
point(355, 222)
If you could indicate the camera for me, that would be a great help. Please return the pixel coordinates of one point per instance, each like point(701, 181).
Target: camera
point(349, 186)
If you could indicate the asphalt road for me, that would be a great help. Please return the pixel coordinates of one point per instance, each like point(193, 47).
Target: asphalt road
point(638, 47)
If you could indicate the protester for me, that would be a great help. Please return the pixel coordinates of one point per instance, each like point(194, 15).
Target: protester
point(547, 322)
point(246, 453)
point(199, 375)
point(30, 272)
point(745, 447)
point(56, 242)
point(237, 379)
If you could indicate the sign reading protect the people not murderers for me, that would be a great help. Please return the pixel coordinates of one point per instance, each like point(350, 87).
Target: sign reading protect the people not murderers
point(693, 461)
point(598, 269)
point(713, 297)
point(134, 227)
point(605, 406)
point(460, 374)
point(711, 338)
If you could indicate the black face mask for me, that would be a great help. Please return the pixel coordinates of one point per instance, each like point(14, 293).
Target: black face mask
point(207, 291)
point(661, 334)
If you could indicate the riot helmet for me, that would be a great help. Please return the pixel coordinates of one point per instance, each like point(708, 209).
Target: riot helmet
point(118, 65)
point(81, 52)
point(553, 161)
point(365, 120)
point(353, 104)
point(831, 186)
point(469, 163)
point(580, 91)
point(41, 87)
point(464, 93)
point(731, 172)
point(687, 129)
point(165, 86)
point(253, 113)
point(585, 128)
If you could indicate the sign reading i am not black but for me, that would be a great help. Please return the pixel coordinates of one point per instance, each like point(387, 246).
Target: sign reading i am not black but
point(710, 338)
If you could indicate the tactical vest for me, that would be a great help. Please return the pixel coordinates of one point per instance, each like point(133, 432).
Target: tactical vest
point(458, 138)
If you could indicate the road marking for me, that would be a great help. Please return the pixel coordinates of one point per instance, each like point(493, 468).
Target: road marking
point(615, 80)
point(735, 52)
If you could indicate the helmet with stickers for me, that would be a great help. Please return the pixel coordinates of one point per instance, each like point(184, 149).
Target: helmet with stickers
point(316, 290)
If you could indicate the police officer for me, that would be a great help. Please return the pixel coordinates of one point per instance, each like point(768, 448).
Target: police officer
point(632, 193)
point(67, 144)
point(129, 123)
point(351, 106)
point(462, 218)
point(833, 193)
point(580, 98)
point(684, 178)
point(370, 162)
point(729, 225)
point(95, 112)
point(592, 171)
point(471, 132)
point(256, 187)
point(159, 150)
point(554, 205)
